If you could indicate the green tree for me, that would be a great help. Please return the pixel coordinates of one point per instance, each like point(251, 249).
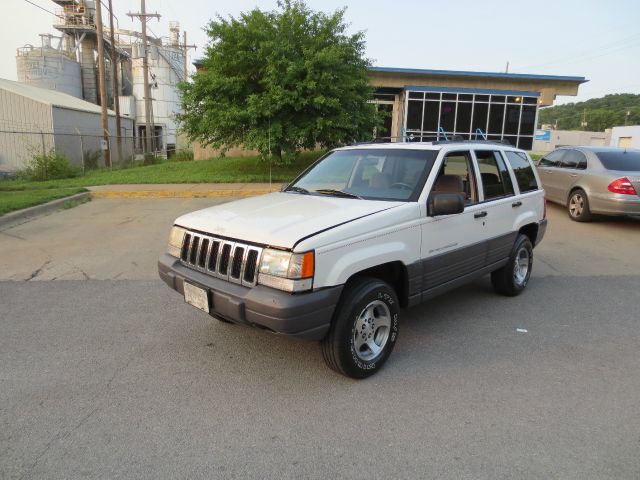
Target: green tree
point(280, 81)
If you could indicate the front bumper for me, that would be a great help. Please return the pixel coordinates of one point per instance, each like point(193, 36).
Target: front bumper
point(304, 315)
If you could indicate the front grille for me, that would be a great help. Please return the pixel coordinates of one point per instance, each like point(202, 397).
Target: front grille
point(233, 261)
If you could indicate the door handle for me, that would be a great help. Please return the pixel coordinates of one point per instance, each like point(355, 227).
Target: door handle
point(574, 175)
point(516, 204)
point(549, 172)
point(480, 215)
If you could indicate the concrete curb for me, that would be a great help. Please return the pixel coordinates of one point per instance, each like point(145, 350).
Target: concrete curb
point(12, 219)
point(180, 194)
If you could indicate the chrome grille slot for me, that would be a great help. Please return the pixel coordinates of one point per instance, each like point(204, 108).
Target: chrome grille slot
point(213, 256)
point(186, 243)
point(204, 249)
point(251, 265)
point(223, 265)
point(232, 261)
point(193, 251)
point(236, 264)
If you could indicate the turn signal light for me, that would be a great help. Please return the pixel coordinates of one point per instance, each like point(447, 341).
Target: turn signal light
point(622, 185)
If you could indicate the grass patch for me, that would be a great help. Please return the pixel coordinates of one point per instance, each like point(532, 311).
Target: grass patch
point(16, 200)
point(218, 170)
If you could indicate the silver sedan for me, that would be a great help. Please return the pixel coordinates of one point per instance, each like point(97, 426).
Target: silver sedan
point(592, 180)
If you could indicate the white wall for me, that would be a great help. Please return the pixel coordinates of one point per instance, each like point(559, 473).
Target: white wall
point(32, 120)
point(561, 138)
point(632, 131)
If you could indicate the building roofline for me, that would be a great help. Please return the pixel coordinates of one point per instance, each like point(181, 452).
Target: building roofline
point(523, 93)
point(464, 73)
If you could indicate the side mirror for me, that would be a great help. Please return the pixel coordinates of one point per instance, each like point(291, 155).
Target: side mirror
point(445, 204)
point(284, 187)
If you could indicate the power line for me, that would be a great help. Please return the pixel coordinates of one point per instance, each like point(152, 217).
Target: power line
point(622, 43)
point(42, 8)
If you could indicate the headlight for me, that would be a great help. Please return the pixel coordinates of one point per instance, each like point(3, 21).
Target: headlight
point(292, 272)
point(176, 236)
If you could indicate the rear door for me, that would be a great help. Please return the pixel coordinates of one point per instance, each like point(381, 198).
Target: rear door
point(570, 170)
point(548, 169)
point(498, 202)
point(454, 245)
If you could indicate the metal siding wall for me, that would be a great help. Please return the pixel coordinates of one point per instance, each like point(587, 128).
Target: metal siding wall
point(67, 123)
point(18, 113)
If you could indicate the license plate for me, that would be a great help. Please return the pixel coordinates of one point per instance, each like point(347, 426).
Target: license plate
point(196, 296)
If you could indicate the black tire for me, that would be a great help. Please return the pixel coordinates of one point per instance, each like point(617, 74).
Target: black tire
point(509, 281)
point(364, 302)
point(578, 206)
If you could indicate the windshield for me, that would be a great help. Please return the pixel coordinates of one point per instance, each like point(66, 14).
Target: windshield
point(372, 174)
point(623, 160)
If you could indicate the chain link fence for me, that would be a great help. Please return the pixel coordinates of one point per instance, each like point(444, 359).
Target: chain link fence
point(85, 150)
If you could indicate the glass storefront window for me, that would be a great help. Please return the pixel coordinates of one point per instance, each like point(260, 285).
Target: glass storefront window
point(499, 117)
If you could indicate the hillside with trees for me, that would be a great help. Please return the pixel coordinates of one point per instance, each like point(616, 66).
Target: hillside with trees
point(598, 113)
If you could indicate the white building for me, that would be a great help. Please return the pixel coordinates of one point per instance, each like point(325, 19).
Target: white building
point(34, 120)
point(166, 70)
point(625, 136)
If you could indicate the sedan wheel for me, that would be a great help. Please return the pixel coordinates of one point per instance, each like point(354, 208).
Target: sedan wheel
point(578, 207)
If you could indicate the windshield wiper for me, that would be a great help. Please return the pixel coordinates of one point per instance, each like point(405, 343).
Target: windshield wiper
point(338, 193)
point(296, 189)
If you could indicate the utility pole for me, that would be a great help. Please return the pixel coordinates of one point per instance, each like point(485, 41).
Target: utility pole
point(116, 88)
point(584, 118)
point(103, 87)
point(148, 108)
point(185, 49)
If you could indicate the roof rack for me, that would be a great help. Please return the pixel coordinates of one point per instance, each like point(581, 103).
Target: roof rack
point(496, 142)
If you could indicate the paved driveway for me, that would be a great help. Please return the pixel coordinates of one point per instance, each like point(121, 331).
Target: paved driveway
point(110, 375)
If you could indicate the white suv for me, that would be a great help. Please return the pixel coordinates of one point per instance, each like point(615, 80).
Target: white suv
point(365, 231)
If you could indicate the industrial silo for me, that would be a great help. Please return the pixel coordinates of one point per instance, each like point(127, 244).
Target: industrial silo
point(48, 67)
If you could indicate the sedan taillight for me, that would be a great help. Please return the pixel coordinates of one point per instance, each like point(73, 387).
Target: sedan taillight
point(622, 185)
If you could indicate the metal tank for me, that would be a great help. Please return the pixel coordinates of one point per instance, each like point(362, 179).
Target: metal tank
point(48, 67)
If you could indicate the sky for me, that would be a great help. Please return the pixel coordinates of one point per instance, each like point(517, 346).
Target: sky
point(595, 39)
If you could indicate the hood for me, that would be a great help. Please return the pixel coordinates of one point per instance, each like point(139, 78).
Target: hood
point(280, 219)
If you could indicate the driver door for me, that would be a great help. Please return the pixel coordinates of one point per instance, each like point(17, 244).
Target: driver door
point(454, 245)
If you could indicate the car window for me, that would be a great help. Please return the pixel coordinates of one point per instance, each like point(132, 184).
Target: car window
point(456, 176)
point(373, 174)
point(552, 159)
point(496, 181)
point(623, 160)
point(574, 159)
point(523, 171)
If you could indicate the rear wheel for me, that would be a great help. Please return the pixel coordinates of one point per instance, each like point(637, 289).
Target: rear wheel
point(364, 329)
point(578, 206)
point(512, 279)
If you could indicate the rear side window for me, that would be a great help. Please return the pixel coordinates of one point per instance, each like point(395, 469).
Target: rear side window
point(523, 171)
point(496, 181)
point(552, 159)
point(574, 159)
point(627, 161)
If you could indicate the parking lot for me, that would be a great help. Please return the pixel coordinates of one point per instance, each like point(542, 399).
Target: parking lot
point(106, 373)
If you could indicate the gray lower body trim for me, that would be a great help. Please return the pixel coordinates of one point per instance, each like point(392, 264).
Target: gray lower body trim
point(304, 315)
point(440, 273)
point(445, 287)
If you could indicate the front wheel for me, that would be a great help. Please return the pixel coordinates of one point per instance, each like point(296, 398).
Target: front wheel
point(512, 279)
point(364, 329)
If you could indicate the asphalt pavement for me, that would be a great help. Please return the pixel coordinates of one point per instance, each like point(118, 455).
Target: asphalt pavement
point(106, 373)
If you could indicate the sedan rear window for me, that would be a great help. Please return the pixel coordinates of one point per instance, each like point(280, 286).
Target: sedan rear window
point(624, 160)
